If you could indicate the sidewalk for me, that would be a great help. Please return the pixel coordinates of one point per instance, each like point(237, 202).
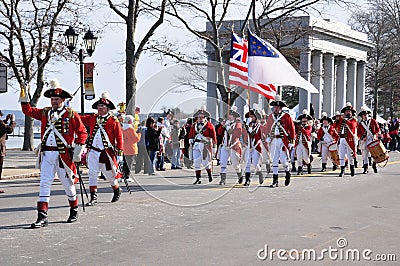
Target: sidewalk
point(19, 164)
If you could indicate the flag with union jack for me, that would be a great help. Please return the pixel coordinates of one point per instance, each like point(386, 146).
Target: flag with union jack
point(238, 69)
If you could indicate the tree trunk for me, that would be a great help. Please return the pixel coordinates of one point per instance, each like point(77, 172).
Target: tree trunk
point(28, 134)
point(130, 62)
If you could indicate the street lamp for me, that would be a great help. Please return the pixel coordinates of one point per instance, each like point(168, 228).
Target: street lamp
point(89, 40)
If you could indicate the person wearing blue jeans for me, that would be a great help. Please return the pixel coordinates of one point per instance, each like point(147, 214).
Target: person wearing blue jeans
point(177, 134)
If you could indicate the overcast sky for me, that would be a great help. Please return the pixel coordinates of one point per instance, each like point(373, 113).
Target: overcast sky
point(109, 72)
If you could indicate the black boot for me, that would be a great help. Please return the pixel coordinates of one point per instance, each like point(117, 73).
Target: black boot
point(93, 199)
point(365, 166)
point(323, 167)
point(210, 178)
point(300, 170)
point(342, 171)
point(247, 182)
point(41, 220)
point(260, 177)
point(240, 177)
point(287, 179)
point(355, 163)
point(334, 167)
point(274, 181)
point(117, 194)
point(198, 177)
point(73, 214)
point(268, 167)
point(351, 170)
point(223, 179)
point(370, 161)
point(309, 168)
point(293, 167)
point(374, 167)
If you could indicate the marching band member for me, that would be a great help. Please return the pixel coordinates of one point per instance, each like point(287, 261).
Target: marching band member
point(59, 127)
point(302, 144)
point(231, 146)
point(281, 133)
point(367, 131)
point(202, 137)
point(347, 129)
point(327, 135)
point(105, 147)
point(254, 152)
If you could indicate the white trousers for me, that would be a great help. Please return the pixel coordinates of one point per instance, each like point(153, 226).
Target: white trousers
point(364, 151)
point(279, 154)
point(48, 169)
point(253, 157)
point(302, 154)
point(227, 153)
point(324, 153)
point(95, 167)
point(198, 149)
point(344, 149)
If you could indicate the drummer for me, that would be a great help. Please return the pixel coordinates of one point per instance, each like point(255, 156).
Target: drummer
point(367, 131)
point(328, 136)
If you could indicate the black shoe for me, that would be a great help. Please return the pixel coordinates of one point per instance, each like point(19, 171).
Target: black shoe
point(117, 194)
point(293, 167)
point(355, 163)
point(210, 178)
point(342, 171)
point(309, 168)
point(334, 167)
point(73, 215)
point(287, 179)
point(197, 181)
point(370, 161)
point(365, 166)
point(247, 182)
point(240, 180)
point(352, 170)
point(274, 181)
point(41, 220)
point(323, 167)
point(300, 170)
point(374, 167)
point(93, 199)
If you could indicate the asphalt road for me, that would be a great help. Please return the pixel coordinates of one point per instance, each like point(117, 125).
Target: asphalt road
point(169, 221)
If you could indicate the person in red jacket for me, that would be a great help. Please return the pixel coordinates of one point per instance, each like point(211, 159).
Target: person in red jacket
point(59, 127)
point(302, 143)
point(367, 131)
point(203, 138)
point(327, 135)
point(347, 129)
point(281, 133)
point(105, 147)
point(231, 147)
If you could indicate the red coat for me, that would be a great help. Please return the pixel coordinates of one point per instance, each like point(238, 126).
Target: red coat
point(234, 138)
point(113, 130)
point(352, 125)
point(331, 130)
point(287, 123)
point(373, 127)
point(255, 138)
point(208, 131)
point(72, 126)
point(305, 132)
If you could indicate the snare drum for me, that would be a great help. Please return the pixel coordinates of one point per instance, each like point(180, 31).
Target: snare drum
point(333, 151)
point(378, 151)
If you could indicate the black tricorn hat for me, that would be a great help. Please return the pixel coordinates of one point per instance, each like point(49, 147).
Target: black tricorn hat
point(278, 101)
point(253, 112)
point(202, 111)
point(350, 107)
point(104, 99)
point(305, 115)
point(56, 91)
point(364, 112)
point(233, 112)
point(326, 117)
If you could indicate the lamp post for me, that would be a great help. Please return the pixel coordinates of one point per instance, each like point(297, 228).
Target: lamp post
point(89, 40)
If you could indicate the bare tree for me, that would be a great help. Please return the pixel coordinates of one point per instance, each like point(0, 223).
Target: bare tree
point(30, 31)
point(133, 9)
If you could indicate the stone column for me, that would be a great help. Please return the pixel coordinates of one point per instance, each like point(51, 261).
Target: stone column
point(351, 83)
point(341, 78)
point(360, 86)
point(211, 102)
point(316, 80)
point(304, 95)
point(328, 98)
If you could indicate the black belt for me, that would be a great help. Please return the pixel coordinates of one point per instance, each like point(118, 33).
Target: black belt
point(96, 149)
point(342, 135)
point(50, 148)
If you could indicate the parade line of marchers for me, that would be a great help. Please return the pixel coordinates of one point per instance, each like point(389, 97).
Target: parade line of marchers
point(257, 139)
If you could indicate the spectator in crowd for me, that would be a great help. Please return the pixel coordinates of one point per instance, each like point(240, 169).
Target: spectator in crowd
point(130, 139)
point(142, 158)
point(164, 137)
point(4, 130)
point(153, 134)
point(177, 134)
point(187, 158)
point(393, 132)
